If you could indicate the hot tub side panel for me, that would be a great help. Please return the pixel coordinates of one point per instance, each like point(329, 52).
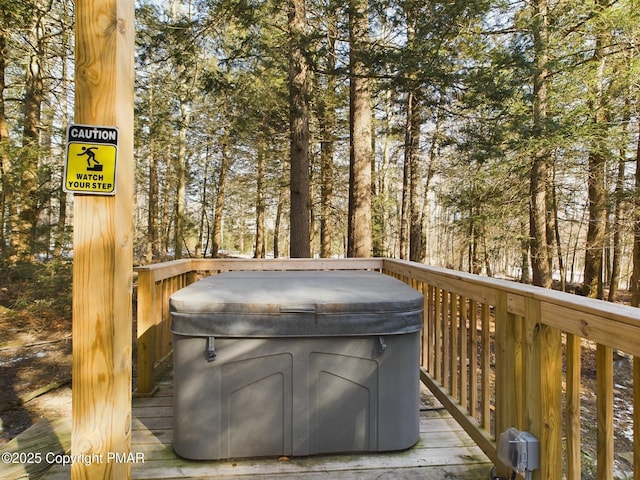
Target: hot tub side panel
point(239, 405)
point(302, 396)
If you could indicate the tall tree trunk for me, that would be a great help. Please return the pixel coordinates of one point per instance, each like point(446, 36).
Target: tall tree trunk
point(525, 244)
point(166, 219)
point(485, 251)
point(282, 193)
point(153, 249)
point(6, 201)
point(260, 249)
point(415, 207)
point(359, 242)
point(61, 227)
point(434, 149)
point(405, 209)
point(407, 185)
point(216, 235)
point(299, 131)
point(474, 264)
point(181, 173)
point(326, 194)
point(187, 75)
point(382, 246)
point(201, 248)
point(555, 227)
point(411, 157)
point(635, 276)
point(29, 157)
point(594, 249)
point(539, 176)
point(327, 124)
point(617, 219)
point(619, 206)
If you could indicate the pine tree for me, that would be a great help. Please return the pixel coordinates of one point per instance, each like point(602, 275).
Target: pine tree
point(359, 225)
point(299, 85)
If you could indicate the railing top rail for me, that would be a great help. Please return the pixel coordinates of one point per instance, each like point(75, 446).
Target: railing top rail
point(462, 282)
point(163, 265)
point(164, 270)
point(288, 263)
point(611, 324)
point(614, 311)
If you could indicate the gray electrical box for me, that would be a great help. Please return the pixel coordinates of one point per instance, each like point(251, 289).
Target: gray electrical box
point(519, 450)
point(295, 363)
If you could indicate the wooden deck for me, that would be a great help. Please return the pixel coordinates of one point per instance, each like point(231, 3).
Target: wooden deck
point(444, 451)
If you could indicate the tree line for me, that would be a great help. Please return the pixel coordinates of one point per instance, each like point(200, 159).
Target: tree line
point(497, 137)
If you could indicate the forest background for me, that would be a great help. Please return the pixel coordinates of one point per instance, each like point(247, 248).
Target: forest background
point(496, 137)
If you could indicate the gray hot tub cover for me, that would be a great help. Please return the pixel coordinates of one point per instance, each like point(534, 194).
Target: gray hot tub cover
point(296, 304)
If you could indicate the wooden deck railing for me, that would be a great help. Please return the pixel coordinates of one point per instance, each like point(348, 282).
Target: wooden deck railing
point(156, 283)
point(496, 353)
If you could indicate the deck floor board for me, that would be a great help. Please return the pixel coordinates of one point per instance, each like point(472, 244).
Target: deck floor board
point(444, 451)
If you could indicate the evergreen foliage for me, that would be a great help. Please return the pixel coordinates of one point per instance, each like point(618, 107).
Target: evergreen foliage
point(469, 100)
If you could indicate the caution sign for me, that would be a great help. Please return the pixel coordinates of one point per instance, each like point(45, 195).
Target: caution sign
point(90, 164)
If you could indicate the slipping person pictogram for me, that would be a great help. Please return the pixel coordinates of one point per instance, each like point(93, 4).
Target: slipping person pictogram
point(91, 157)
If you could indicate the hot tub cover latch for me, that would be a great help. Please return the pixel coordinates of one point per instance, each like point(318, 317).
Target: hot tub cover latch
point(211, 349)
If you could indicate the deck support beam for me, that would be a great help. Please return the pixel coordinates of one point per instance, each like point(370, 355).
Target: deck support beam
point(103, 238)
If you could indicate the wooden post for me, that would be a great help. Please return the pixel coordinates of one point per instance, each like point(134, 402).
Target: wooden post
point(147, 327)
point(509, 375)
point(543, 373)
point(103, 236)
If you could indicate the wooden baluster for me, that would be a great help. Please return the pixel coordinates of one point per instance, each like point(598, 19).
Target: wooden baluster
point(426, 350)
point(437, 337)
point(158, 321)
point(573, 361)
point(473, 359)
point(604, 407)
point(464, 358)
point(431, 329)
point(486, 368)
point(446, 342)
point(455, 338)
point(164, 307)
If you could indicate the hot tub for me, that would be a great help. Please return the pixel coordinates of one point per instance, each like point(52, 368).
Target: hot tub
point(295, 363)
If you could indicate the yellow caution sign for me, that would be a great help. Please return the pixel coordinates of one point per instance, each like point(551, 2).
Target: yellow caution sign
point(90, 164)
